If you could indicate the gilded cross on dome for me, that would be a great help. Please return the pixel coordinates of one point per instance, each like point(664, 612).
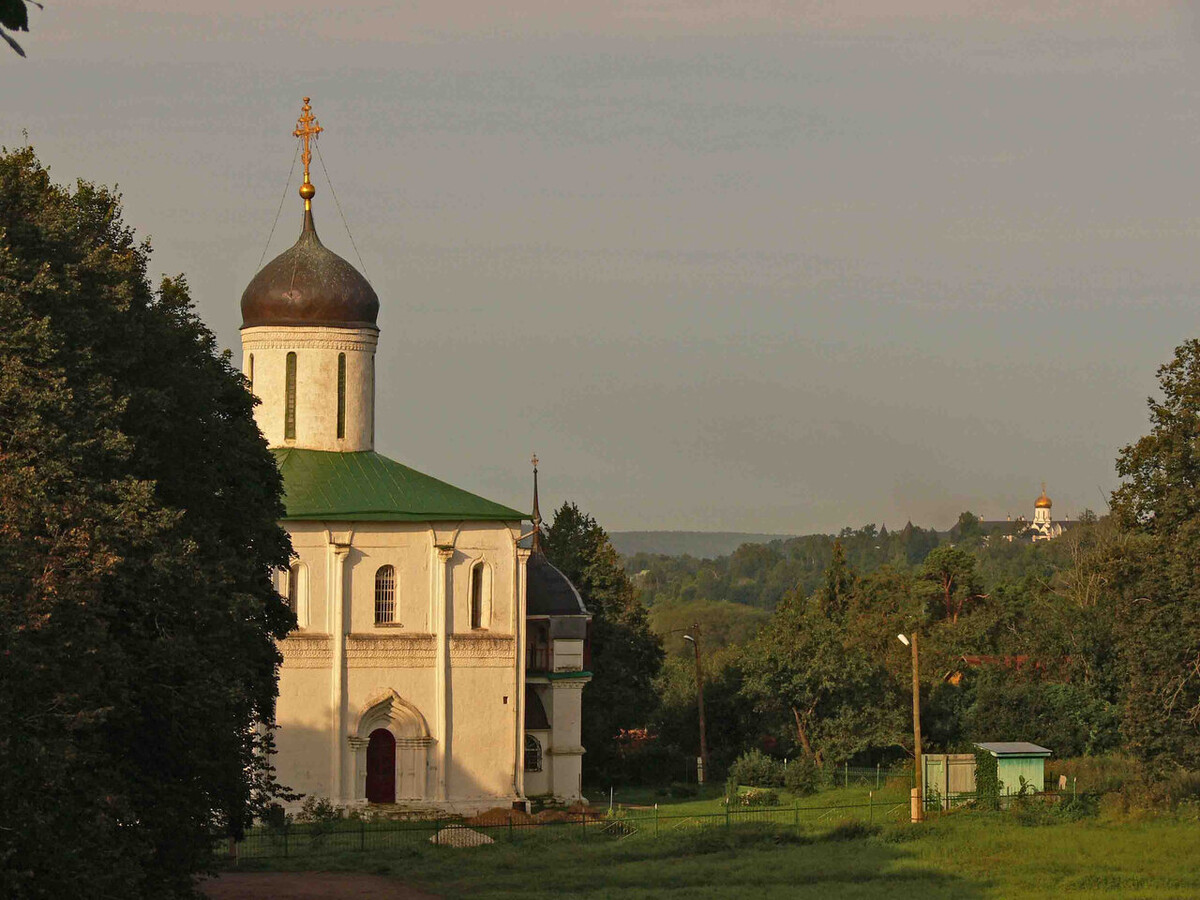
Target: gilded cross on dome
point(307, 128)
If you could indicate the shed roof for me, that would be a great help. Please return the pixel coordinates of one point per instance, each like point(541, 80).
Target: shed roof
point(1013, 748)
point(366, 486)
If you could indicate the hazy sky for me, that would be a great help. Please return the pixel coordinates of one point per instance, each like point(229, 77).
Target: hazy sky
point(757, 265)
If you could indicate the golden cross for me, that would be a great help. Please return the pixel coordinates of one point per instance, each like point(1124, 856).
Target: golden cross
point(307, 128)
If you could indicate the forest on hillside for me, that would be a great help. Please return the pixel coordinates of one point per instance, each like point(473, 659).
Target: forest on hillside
point(1084, 643)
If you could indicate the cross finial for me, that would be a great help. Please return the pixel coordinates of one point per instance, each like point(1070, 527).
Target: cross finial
point(537, 513)
point(307, 128)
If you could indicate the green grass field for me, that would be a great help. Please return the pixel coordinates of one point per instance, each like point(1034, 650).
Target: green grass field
point(962, 856)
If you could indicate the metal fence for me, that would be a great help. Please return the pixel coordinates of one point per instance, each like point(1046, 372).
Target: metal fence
point(359, 835)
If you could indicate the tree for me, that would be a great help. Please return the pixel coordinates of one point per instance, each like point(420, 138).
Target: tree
point(813, 663)
point(626, 654)
point(1159, 614)
point(14, 16)
point(950, 573)
point(138, 533)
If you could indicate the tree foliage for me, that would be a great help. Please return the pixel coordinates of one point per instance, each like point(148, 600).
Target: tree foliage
point(626, 654)
point(138, 511)
point(1159, 616)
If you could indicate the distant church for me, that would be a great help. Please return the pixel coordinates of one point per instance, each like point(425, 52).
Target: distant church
point(1042, 528)
point(439, 658)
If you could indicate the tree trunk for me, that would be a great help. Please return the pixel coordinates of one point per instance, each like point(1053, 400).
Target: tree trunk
point(801, 734)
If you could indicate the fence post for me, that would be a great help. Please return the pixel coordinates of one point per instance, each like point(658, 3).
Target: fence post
point(510, 829)
point(656, 820)
point(583, 821)
point(362, 834)
point(876, 776)
point(846, 773)
point(286, 829)
point(437, 831)
point(870, 806)
point(726, 815)
point(795, 813)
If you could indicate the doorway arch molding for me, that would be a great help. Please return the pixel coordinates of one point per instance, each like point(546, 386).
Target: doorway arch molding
point(388, 710)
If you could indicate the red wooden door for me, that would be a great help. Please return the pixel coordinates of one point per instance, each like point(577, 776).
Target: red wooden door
point(381, 767)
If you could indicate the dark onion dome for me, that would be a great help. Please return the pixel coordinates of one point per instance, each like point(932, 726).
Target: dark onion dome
point(309, 285)
point(548, 592)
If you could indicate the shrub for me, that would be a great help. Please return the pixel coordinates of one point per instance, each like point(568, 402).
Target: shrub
point(756, 768)
point(758, 797)
point(318, 810)
point(803, 777)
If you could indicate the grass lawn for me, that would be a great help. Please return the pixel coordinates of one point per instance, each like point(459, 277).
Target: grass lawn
point(962, 856)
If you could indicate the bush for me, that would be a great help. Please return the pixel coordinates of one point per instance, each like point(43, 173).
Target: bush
point(758, 797)
point(319, 809)
point(756, 768)
point(1094, 774)
point(803, 777)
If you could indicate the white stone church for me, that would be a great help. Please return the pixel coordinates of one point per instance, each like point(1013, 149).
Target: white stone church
point(439, 658)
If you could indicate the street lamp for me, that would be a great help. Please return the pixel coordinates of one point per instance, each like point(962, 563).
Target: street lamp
point(703, 760)
point(918, 792)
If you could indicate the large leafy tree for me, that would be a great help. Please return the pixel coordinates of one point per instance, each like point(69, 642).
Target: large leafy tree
point(1159, 615)
point(825, 662)
point(626, 654)
point(138, 532)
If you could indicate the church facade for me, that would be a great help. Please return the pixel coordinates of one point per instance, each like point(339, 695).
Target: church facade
point(439, 658)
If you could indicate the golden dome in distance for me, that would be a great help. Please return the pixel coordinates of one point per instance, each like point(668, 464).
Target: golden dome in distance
point(1042, 502)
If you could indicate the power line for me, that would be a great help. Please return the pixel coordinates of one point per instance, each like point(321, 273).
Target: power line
point(362, 266)
point(291, 172)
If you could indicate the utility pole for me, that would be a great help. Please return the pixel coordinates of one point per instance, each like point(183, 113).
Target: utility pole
point(703, 767)
point(918, 791)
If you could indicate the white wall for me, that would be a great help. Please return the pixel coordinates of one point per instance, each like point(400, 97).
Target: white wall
point(317, 349)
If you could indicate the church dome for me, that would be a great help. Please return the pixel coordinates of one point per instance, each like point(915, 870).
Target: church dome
point(1042, 502)
point(309, 284)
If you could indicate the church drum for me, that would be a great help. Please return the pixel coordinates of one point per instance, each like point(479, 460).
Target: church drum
point(381, 767)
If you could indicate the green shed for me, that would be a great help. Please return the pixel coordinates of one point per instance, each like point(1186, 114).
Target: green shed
point(1016, 760)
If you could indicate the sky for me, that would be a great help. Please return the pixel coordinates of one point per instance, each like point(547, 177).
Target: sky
point(745, 266)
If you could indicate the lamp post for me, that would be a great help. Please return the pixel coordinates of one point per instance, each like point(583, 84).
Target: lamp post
point(703, 761)
point(918, 792)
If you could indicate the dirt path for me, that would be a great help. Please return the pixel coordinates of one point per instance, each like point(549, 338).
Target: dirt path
point(307, 886)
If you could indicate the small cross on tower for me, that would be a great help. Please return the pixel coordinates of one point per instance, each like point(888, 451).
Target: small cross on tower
point(307, 128)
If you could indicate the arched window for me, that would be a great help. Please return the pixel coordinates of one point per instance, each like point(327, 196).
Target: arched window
point(289, 411)
point(250, 372)
point(385, 595)
point(533, 754)
point(478, 596)
point(341, 410)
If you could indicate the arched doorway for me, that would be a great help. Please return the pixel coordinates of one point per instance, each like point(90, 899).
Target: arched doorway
point(381, 767)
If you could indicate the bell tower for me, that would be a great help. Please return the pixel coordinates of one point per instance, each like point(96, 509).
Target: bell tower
point(308, 337)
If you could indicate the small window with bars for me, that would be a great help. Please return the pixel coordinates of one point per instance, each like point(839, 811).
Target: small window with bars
point(533, 754)
point(385, 595)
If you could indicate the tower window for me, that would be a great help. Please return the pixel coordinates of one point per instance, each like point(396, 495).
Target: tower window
point(293, 587)
point(289, 411)
point(250, 372)
point(341, 412)
point(385, 595)
point(478, 573)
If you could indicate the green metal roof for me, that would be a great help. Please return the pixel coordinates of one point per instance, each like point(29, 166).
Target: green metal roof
point(368, 487)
